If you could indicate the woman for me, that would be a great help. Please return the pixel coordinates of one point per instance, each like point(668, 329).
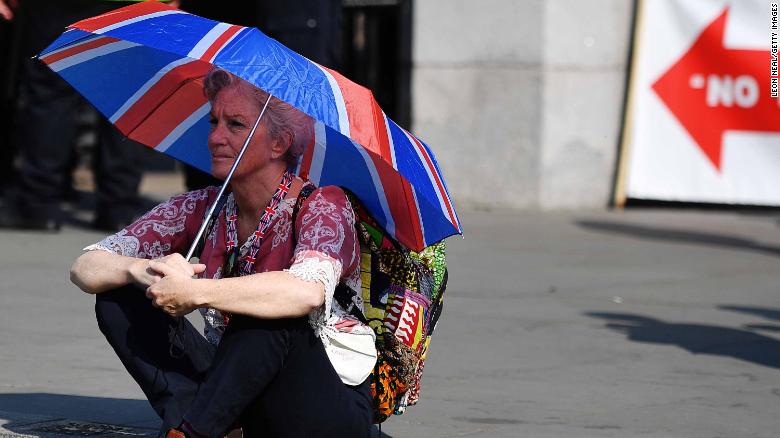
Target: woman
point(269, 363)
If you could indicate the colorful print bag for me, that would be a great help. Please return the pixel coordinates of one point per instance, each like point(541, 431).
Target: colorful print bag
point(402, 299)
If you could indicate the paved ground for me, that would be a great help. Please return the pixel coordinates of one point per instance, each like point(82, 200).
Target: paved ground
point(643, 323)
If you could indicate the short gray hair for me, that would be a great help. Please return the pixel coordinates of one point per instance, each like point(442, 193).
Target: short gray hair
point(279, 117)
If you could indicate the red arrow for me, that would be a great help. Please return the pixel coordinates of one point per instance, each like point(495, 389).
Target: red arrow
point(712, 89)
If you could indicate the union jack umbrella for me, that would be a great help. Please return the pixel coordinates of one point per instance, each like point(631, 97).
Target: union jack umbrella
point(143, 66)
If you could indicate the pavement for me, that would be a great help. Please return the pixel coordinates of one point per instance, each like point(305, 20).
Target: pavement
point(637, 323)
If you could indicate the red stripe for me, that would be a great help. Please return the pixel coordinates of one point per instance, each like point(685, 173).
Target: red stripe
point(400, 200)
point(308, 155)
point(380, 129)
point(366, 121)
point(80, 48)
point(118, 15)
point(165, 87)
point(219, 42)
point(435, 174)
point(414, 214)
point(169, 114)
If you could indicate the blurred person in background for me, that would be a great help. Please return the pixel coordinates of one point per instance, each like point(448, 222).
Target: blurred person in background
point(9, 61)
point(46, 127)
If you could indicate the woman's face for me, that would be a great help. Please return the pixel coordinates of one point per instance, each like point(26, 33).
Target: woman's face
point(232, 116)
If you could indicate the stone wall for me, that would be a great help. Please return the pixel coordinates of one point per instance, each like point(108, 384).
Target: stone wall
point(521, 99)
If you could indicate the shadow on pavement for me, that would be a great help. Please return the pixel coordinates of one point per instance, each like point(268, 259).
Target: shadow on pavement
point(78, 407)
point(678, 236)
point(765, 327)
point(696, 338)
point(48, 409)
point(764, 312)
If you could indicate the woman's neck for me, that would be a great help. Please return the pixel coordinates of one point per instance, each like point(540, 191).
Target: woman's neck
point(253, 192)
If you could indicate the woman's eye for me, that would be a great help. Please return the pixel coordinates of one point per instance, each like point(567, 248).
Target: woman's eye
point(235, 124)
point(212, 121)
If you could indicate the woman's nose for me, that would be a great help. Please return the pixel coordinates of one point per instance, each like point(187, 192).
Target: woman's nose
point(216, 135)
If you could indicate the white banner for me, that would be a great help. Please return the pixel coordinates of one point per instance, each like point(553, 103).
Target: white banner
point(703, 117)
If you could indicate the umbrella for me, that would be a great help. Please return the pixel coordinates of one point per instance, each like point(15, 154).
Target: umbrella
point(143, 65)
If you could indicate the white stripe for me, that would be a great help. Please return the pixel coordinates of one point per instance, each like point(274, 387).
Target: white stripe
point(390, 140)
point(71, 45)
point(232, 37)
point(341, 107)
point(91, 54)
point(419, 215)
point(145, 87)
point(380, 190)
point(206, 42)
point(431, 178)
point(136, 20)
point(318, 154)
point(183, 127)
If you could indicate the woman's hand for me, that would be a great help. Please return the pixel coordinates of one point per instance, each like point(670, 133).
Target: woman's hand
point(174, 262)
point(173, 293)
point(143, 275)
point(146, 272)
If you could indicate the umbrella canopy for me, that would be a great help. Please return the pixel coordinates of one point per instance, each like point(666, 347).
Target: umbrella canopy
point(143, 66)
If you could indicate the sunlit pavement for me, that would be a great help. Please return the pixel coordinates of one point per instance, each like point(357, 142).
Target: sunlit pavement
point(654, 323)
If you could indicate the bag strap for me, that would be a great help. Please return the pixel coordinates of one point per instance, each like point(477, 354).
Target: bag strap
point(304, 194)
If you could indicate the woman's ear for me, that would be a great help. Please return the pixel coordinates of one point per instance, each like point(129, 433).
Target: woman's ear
point(282, 145)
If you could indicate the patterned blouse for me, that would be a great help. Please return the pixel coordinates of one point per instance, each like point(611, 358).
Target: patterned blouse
point(326, 250)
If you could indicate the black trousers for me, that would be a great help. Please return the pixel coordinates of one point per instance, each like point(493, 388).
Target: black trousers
point(270, 377)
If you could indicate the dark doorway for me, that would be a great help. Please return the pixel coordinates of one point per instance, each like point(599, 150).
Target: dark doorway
point(377, 50)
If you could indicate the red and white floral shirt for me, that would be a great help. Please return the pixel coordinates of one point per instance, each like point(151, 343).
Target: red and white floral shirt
point(326, 250)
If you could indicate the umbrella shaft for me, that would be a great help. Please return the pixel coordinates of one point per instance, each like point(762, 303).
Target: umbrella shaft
point(207, 220)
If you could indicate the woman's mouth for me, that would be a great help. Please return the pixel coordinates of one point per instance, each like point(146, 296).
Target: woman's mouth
point(222, 157)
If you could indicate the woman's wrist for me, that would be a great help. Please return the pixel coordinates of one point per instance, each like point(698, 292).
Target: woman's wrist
point(134, 269)
point(199, 290)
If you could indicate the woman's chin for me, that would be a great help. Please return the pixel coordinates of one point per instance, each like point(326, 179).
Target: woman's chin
point(220, 168)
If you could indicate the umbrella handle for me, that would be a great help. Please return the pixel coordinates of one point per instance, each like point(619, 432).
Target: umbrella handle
point(210, 219)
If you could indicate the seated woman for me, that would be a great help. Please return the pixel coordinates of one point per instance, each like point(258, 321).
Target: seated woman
point(274, 360)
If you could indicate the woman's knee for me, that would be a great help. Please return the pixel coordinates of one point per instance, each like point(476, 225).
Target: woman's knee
point(112, 304)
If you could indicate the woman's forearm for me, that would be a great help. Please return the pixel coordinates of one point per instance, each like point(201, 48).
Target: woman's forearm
point(266, 295)
point(98, 271)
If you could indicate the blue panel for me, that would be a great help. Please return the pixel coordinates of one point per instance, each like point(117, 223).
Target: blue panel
point(191, 148)
point(175, 33)
point(269, 65)
point(410, 166)
point(344, 166)
point(108, 81)
point(65, 39)
point(436, 225)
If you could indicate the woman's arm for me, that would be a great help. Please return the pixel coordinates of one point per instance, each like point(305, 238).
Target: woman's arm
point(98, 271)
point(123, 258)
point(267, 295)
